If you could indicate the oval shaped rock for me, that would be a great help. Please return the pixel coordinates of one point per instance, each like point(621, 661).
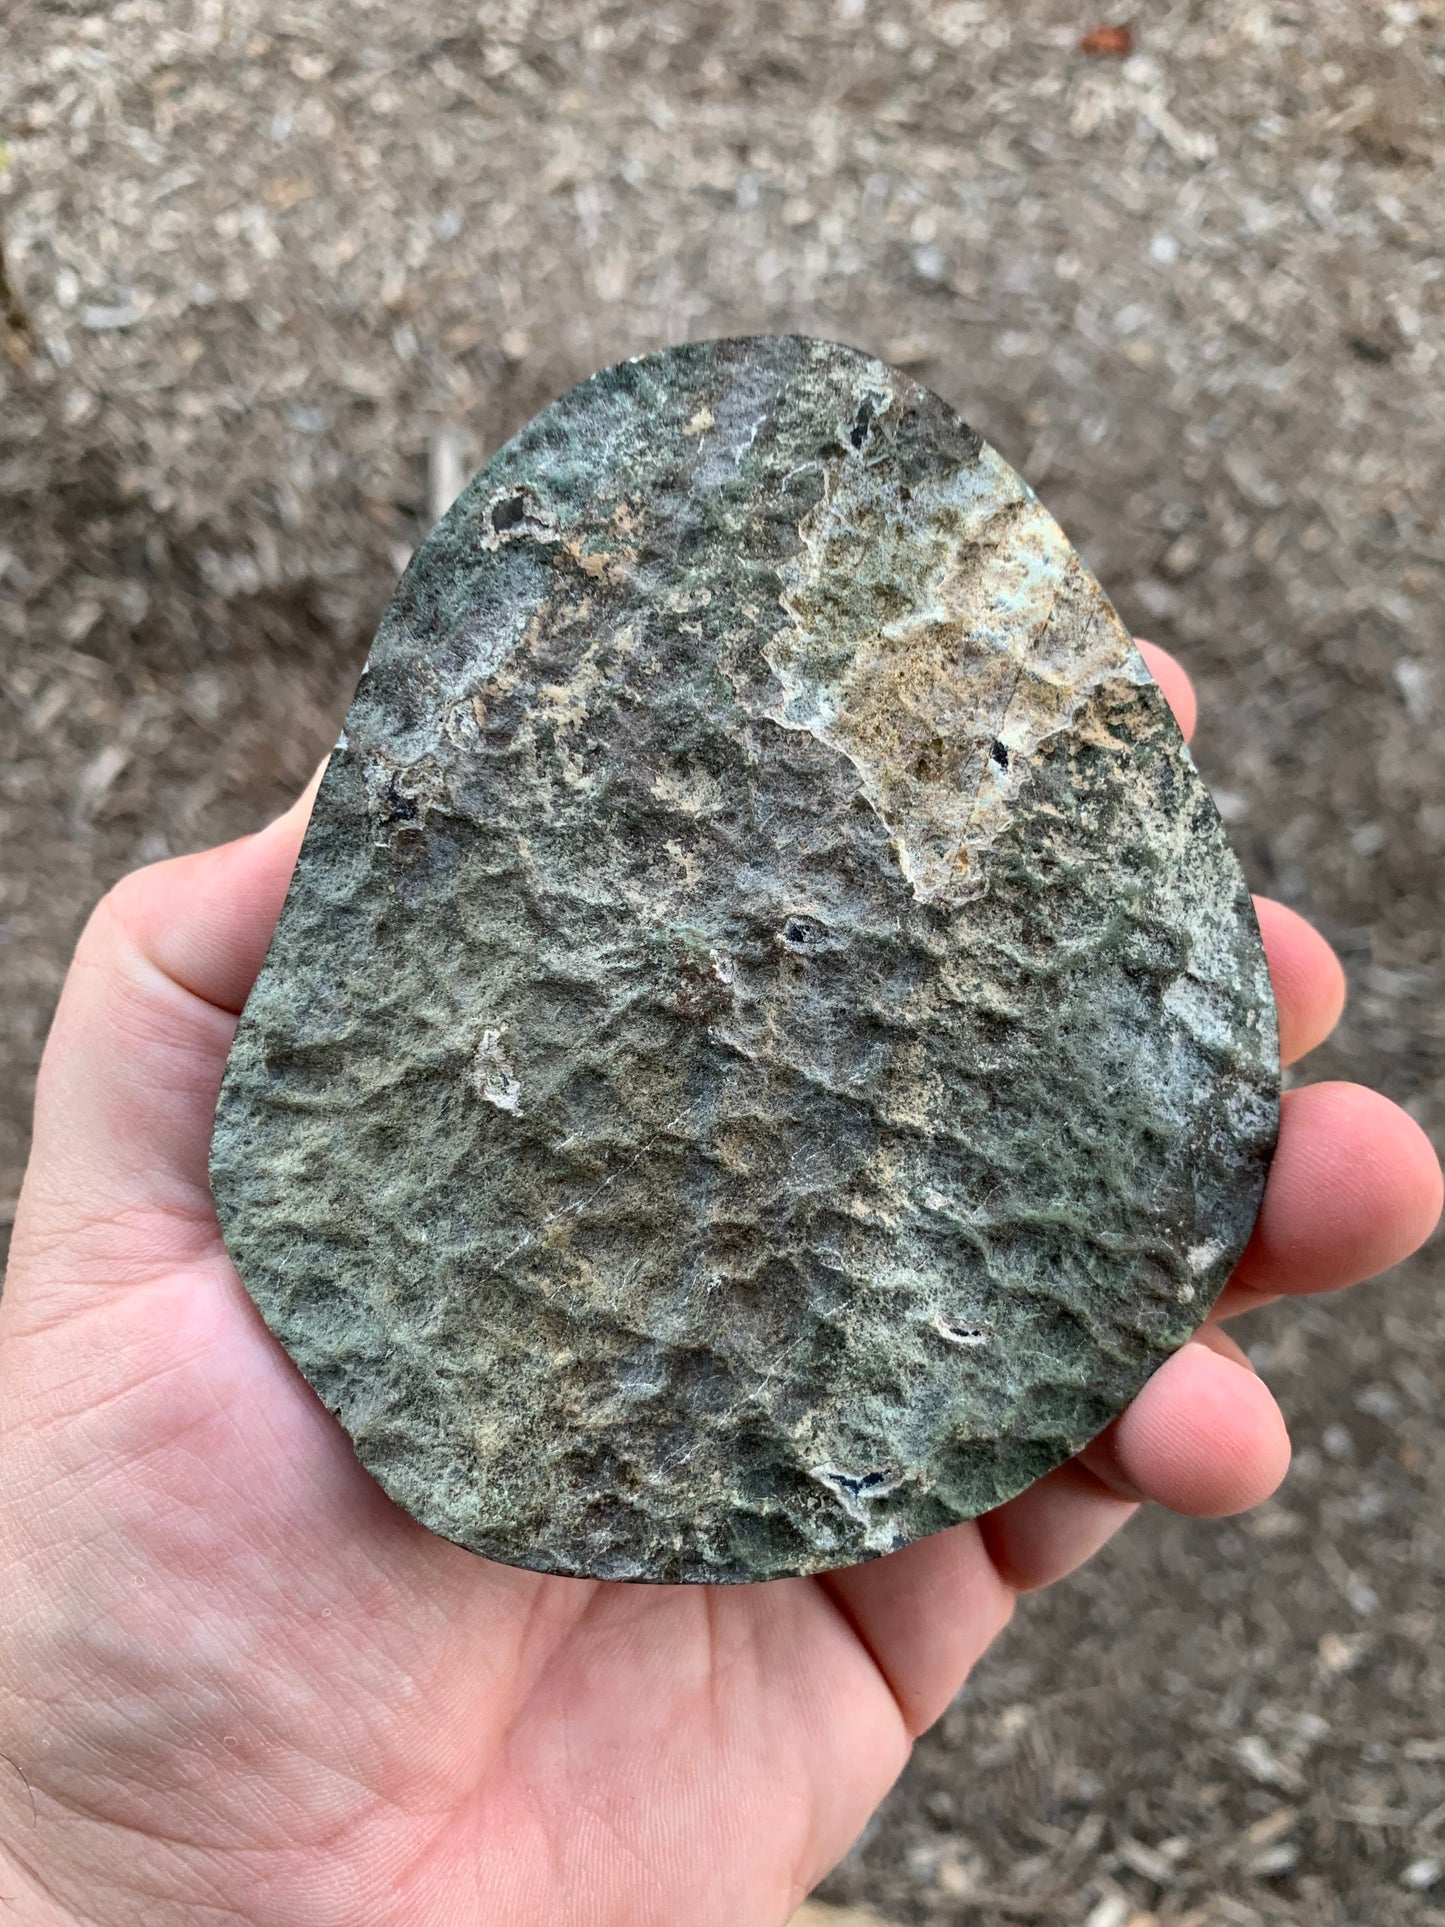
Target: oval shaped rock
point(768, 1045)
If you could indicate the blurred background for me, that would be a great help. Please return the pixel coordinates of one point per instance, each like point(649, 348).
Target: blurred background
point(278, 277)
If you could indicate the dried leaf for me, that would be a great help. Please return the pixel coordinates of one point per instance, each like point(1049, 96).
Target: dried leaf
point(1108, 43)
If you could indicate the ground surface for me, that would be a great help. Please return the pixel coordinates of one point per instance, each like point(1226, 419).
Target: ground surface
point(280, 274)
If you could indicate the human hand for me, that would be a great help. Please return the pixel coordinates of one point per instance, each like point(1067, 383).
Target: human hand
point(237, 1683)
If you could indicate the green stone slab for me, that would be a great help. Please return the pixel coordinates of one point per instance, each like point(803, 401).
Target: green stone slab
point(768, 1046)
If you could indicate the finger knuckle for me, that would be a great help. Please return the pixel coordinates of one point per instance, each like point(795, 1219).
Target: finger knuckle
point(122, 916)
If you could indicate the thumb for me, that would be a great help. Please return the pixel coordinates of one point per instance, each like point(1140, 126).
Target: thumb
point(117, 1187)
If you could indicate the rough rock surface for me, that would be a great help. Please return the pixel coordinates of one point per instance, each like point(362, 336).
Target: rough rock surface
point(767, 1046)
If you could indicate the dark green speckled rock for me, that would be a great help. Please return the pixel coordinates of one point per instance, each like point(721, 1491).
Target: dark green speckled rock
point(767, 1046)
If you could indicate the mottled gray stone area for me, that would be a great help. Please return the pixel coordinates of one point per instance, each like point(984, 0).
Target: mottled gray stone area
point(767, 1046)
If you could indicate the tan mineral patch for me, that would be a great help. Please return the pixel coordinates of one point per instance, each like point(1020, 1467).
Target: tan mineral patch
point(938, 636)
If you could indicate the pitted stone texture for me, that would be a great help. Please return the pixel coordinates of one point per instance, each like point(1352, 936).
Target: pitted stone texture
point(767, 1046)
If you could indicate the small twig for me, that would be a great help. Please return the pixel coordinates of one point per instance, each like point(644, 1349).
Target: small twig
point(17, 336)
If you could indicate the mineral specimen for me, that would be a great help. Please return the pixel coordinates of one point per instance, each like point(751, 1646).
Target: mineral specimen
point(767, 1046)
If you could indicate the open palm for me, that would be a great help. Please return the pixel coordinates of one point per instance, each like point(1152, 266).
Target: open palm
point(237, 1684)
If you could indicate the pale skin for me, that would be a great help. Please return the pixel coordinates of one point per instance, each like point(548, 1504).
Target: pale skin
point(238, 1685)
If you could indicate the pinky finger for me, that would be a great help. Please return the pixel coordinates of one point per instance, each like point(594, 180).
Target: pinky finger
point(1204, 1437)
point(1048, 1531)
